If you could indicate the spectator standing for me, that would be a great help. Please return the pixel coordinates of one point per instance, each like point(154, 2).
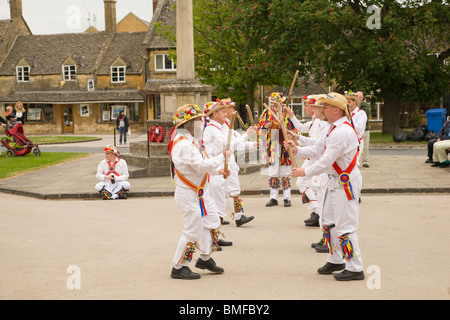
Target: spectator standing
point(19, 113)
point(122, 125)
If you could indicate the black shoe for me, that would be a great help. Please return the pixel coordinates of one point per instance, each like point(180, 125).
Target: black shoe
point(349, 275)
point(312, 217)
point(223, 222)
point(429, 161)
point(321, 249)
point(313, 222)
point(329, 268)
point(444, 165)
point(209, 264)
point(223, 243)
point(287, 202)
point(436, 164)
point(184, 273)
point(272, 203)
point(244, 220)
point(365, 165)
point(315, 244)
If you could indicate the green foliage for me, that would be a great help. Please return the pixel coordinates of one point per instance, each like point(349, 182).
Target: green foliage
point(228, 47)
point(333, 40)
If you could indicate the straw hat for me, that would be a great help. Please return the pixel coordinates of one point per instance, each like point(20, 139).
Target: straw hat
point(186, 113)
point(351, 95)
point(337, 100)
point(111, 149)
point(277, 97)
point(219, 104)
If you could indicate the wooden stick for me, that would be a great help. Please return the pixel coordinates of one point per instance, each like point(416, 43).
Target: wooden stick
point(240, 120)
point(250, 114)
point(288, 100)
point(228, 146)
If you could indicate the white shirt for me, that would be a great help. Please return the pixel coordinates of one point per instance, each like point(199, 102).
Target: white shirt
point(121, 168)
point(341, 147)
point(302, 127)
point(188, 160)
point(315, 132)
point(359, 119)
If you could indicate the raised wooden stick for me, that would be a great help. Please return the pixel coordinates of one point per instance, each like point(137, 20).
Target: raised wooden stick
point(240, 120)
point(228, 146)
point(288, 100)
point(250, 115)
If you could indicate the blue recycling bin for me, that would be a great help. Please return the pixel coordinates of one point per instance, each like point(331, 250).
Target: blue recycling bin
point(436, 118)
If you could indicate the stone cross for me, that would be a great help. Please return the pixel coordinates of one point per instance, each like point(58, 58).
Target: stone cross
point(185, 41)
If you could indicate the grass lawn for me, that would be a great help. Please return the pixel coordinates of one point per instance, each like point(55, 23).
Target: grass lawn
point(378, 137)
point(13, 166)
point(58, 139)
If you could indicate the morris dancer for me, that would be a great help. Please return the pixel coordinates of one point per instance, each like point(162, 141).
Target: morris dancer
point(276, 155)
point(239, 142)
point(304, 184)
point(190, 171)
point(113, 175)
point(338, 159)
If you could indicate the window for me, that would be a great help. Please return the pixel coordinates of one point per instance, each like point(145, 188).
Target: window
point(107, 112)
point(69, 72)
point(163, 63)
point(23, 74)
point(118, 74)
point(39, 112)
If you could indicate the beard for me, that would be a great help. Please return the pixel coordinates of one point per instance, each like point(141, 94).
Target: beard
point(198, 130)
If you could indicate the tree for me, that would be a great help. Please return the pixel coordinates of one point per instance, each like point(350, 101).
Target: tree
point(229, 56)
point(402, 60)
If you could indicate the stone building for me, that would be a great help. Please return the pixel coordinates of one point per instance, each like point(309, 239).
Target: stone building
point(74, 83)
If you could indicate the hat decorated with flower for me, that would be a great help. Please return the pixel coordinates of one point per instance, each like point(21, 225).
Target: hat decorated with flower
point(111, 149)
point(351, 95)
point(316, 100)
point(337, 100)
point(208, 106)
point(219, 104)
point(186, 113)
point(277, 97)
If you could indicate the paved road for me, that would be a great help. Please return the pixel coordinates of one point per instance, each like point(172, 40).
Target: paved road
point(123, 250)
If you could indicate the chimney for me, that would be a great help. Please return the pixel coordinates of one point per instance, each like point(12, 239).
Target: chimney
point(110, 15)
point(15, 8)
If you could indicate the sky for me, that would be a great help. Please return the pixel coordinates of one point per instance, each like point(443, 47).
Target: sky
point(72, 16)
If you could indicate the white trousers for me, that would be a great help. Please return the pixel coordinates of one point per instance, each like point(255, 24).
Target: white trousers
point(218, 192)
point(342, 213)
point(197, 229)
point(112, 188)
point(276, 170)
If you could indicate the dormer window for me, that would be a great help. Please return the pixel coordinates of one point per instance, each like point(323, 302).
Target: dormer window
point(118, 70)
point(69, 69)
point(23, 73)
point(118, 74)
point(69, 72)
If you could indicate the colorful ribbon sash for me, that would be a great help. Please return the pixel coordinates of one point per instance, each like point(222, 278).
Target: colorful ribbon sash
point(200, 190)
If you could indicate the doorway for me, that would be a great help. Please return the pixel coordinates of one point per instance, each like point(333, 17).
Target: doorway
point(67, 125)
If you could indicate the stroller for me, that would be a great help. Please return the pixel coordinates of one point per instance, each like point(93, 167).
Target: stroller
point(22, 146)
